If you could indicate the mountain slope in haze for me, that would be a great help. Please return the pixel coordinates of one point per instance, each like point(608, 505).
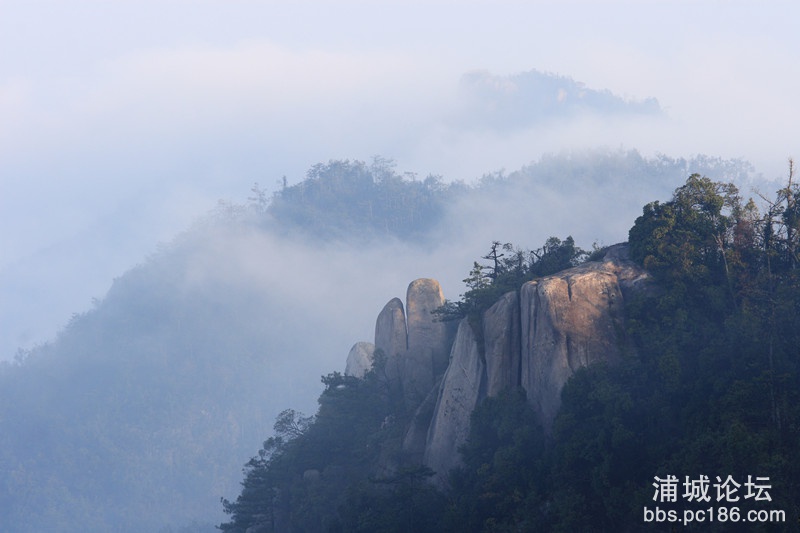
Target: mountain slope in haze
point(142, 411)
point(507, 103)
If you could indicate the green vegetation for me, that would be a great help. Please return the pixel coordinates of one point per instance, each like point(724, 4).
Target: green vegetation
point(140, 413)
point(712, 389)
point(509, 268)
point(500, 486)
point(345, 199)
point(321, 475)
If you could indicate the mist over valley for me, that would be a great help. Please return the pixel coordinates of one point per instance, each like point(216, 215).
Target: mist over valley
point(204, 205)
point(162, 391)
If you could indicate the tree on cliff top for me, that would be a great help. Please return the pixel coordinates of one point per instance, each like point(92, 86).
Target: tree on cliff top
point(509, 269)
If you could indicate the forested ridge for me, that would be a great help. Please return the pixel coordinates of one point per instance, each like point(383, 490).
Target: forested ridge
point(350, 198)
point(140, 413)
point(710, 388)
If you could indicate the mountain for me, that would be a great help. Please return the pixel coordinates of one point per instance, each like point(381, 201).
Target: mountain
point(573, 401)
point(139, 415)
point(507, 103)
point(535, 340)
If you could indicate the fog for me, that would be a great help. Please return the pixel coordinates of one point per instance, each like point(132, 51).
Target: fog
point(122, 122)
point(326, 294)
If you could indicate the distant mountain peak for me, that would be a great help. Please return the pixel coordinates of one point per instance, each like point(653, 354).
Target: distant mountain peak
point(533, 97)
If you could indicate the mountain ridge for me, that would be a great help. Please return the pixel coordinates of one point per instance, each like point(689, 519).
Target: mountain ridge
point(570, 319)
point(163, 390)
point(662, 359)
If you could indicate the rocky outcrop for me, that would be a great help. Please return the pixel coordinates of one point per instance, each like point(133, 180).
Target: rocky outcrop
point(416, 437)
point(536, 339)
point(569, 320)
point(461, 390)
point(417, 349)
point(501, 334)
point(415, 344)
point(391, 338)
point(360, 359)
point(390, 329)
point(428, 340)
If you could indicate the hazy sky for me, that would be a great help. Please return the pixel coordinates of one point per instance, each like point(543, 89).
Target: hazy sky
point(121, 121)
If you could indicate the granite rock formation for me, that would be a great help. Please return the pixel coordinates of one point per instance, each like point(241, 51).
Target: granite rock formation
point(390, 329)
point(360, 359)
point(428, 340)
point(463, 386)
point(536, 338)
point(501, 334)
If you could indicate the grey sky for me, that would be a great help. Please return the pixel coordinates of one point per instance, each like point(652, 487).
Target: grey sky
point(121, 121)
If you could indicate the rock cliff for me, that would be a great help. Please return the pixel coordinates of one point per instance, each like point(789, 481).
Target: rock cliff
point(417, 350)
point(462, 388)
point(428, 340)
point(416, 346)
point(390, 329)
point(535, 338)
point(570, 320)
point(501, 334)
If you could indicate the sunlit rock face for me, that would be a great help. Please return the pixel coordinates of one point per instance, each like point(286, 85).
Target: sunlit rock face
point(569, 321)
point(428, 340)
point(360, 359)
point(536, 340)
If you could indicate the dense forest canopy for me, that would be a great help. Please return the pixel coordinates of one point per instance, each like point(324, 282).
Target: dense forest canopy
point(711, 388)
point(348, 200)
point(342, 198)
